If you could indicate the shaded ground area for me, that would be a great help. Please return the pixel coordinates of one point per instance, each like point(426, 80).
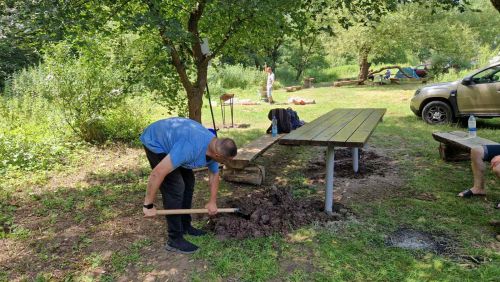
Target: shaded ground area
point(370, 163)
point(269, 212)
point(88, 224)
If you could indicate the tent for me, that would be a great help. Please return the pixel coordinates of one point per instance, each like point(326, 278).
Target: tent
point(409, 73)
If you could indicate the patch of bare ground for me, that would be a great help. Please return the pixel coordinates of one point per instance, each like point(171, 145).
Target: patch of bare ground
point(65, 241)
point(378, 176)
point(83, 240)
point(114, 159)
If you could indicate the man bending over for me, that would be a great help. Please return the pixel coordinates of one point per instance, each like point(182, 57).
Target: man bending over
point(174, 147)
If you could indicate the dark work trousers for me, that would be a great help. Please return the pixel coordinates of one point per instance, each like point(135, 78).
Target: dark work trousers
point(177, 193)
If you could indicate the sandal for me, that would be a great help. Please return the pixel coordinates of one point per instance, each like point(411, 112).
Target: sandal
point(469, 194)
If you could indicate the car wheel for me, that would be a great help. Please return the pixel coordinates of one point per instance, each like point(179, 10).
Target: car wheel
point(437, 112)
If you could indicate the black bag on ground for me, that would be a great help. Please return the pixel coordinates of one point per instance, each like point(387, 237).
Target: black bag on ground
point(283, 119)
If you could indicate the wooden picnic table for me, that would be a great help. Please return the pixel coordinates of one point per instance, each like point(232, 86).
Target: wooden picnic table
point(337, 128)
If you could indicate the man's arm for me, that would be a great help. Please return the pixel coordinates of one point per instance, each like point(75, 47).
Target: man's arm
point(155, 179)
point(213, 180)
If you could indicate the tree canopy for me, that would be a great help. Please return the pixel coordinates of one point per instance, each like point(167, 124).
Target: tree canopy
point(178, 29)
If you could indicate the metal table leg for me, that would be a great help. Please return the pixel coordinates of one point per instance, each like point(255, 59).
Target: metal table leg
point(355, 159)
point(330, 158)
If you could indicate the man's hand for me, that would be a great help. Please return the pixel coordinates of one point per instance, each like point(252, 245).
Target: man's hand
point(149, 212)
point(211, 207)
point(495, 161)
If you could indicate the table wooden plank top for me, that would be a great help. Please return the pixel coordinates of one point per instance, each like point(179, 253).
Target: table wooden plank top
point(339, 127)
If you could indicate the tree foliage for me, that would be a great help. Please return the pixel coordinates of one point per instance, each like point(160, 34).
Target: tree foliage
point(176, 30)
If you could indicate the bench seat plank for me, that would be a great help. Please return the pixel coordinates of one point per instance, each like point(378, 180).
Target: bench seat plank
point(252, 150)
point(461, 139)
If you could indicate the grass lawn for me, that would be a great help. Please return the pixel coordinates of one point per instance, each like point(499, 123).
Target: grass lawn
point(84, 222)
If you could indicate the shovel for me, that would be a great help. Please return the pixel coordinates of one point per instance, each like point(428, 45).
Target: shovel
point(193, 211)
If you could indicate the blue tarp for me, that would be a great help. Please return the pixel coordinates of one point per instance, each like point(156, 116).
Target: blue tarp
point(408, 71)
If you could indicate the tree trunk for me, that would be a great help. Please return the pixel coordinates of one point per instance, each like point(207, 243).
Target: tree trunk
point(195, 102)
point(364, 66)
point(275, 54)
point(300, 70)
point(496, 4)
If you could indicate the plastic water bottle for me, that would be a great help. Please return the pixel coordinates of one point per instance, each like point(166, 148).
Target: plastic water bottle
point(274, 127)
point(472, 126)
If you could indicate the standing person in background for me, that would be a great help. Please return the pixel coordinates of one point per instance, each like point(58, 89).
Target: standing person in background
point(269, 85)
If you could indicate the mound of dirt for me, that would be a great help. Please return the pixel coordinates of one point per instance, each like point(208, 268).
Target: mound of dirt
point(370, 163)
point(269, 212)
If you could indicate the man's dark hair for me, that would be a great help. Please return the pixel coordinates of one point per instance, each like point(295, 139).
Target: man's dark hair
point(227, 147)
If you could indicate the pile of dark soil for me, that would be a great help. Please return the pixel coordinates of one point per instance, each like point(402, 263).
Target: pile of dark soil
point(270, 212)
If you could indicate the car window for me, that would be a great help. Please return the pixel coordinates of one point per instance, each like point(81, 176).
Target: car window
point(487, 76)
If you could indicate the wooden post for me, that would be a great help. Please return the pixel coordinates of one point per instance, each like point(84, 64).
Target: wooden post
point(453, 153)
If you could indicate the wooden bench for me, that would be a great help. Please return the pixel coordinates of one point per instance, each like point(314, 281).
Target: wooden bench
point(293, 88)
point(456, 145)
point(241, 169)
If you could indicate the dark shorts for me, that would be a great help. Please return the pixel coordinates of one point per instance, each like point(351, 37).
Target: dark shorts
point(491, 151)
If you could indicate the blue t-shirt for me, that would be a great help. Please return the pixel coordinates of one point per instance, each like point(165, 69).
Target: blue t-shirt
point(185, 140)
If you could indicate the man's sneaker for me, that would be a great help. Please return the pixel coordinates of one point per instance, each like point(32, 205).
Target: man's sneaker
point(181, 246)
point(194, 231)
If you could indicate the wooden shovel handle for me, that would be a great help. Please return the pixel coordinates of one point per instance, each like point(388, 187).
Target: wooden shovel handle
point(193, 211)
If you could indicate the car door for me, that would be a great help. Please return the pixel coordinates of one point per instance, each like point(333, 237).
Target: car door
point(482, 94)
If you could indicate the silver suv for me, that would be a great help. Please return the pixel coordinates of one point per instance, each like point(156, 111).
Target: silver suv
point(476, 94)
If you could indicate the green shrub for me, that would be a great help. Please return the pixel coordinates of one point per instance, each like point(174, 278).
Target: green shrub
point(216, 90)
point(32, 134)
point(85, 86)
point(322, 75)
point(126, 122)
point(238, 76)
point(19, 151)
point(285, 75)
point(451, 75)
point(277, 85)
point(347, 71)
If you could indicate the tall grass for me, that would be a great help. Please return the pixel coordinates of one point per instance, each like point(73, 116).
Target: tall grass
point(237, 76)
point(347, 71)
point(32, 134)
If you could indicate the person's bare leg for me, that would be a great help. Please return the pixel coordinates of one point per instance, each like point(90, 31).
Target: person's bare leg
point(496, 170)
point(478, 167)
